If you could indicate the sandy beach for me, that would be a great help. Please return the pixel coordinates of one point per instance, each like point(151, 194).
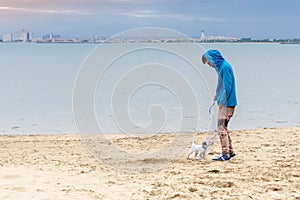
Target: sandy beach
point(59, 167)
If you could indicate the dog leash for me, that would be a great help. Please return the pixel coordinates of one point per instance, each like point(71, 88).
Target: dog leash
point(210, 116)
point(210, 108)
point(209, 140)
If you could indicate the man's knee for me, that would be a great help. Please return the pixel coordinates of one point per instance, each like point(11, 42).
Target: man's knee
point(221, 122)
point(222, 133)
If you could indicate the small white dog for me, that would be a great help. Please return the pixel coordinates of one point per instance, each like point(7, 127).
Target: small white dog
point(200, 150)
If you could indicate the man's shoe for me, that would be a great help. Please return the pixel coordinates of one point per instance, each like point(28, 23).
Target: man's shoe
point(222, 157)
point(232, 155)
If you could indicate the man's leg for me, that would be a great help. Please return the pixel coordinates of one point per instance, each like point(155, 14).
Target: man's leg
point(230, 111)
point(225, 113)
point(222, 130)
point(231, 151)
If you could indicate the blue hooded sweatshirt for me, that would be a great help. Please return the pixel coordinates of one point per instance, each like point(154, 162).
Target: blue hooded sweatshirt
point(226, 92)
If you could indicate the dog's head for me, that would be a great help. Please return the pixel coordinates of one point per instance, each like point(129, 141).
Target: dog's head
point(206, 144)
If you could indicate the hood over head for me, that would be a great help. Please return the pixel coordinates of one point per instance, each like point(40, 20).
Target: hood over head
point(214, 57)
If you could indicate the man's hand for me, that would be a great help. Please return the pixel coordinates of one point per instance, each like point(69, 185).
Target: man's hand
point(215, 97)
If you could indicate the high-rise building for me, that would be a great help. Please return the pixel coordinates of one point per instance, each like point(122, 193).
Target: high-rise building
point(18, 36)
point(7, 37)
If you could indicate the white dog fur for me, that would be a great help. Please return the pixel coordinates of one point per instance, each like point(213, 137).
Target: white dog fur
point(199, 150)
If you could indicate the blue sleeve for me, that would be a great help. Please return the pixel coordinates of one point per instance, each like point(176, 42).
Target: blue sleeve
point(227, 81)
point(221, 96)
point(224, 86)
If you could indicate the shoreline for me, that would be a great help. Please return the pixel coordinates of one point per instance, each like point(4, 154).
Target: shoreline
point(162, 133)
point(52, 166)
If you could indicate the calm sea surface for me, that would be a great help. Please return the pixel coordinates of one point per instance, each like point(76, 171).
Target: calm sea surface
point(36, 83)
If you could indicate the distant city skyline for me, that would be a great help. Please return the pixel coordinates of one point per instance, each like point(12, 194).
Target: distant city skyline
point(83, 18)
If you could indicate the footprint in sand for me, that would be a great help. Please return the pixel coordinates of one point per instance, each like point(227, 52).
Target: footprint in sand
point(19, 189)
point(11, 176)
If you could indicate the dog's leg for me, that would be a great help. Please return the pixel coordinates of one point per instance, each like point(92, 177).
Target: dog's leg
point(196, 157)
point(202, 154)
point(188, 157)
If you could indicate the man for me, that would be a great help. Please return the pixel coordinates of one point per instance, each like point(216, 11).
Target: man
point(226, 99)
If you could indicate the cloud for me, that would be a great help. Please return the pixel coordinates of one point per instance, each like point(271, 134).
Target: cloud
point(67, 7)
point(68, 3)
point(147, 14)
point(45, 11)
point(208, 19)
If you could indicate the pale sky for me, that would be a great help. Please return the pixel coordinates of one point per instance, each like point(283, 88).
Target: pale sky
point(239, 18)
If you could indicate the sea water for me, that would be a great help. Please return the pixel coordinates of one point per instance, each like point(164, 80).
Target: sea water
point(37, 82)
